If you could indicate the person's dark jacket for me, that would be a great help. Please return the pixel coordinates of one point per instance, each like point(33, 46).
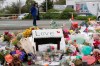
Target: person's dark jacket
point(33, 11)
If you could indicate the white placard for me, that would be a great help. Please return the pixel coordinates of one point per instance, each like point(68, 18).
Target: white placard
point(26, 44)
point(47, 33)
point(51, 64)
point(50, 33)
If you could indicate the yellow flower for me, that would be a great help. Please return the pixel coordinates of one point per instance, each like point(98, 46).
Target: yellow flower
point(71, 31)
point(27, 32)
point(23, 33)
point(37, 28)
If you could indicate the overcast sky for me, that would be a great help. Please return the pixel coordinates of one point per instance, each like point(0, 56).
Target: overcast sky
point(23, 1)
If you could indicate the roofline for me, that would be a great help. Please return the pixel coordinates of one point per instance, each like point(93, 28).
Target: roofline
point(85, 1)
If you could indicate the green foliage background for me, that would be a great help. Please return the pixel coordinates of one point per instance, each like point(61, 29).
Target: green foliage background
point(49, 6)
point(61, 2)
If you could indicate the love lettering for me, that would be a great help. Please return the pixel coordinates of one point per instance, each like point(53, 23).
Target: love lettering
point(44, 33)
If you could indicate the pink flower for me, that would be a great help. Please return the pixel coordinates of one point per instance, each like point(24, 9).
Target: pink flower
point(10, 35)
point(52, 47)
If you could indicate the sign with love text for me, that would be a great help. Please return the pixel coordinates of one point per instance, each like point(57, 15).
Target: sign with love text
point(47, 33)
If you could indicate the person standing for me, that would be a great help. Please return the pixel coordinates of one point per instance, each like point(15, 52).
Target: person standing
point(33, 11)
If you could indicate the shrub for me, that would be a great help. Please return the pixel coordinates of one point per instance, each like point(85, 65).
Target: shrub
point(85, 17)
point(49, 15)
point(81, 18)
point(67, 13)
point(52, 10)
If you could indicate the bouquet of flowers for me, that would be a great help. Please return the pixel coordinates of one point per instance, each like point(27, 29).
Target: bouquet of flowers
point(19, 36)
point(14, 41)
point(68, 51)
point(28, 32)
point(7, 36)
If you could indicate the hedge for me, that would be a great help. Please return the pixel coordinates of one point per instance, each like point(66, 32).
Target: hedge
point(45, 16)
point(53, 10)
point(66, 14)
point(52, 14)
point(85, 17)
point(49, 15)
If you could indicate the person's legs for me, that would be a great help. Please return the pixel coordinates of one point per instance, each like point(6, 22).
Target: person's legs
point(34, 21)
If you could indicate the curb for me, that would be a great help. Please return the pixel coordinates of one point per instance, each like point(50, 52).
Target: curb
point(14, 28)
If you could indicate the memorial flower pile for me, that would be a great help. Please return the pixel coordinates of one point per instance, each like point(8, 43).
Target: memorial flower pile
point(77, 44)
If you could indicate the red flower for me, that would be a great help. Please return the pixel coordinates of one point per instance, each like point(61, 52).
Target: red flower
point(29, 62)
point(6, 33)
point(96, 43)
point(74, 40)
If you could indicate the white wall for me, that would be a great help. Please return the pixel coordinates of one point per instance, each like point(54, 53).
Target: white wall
point(59, 7)
point(71, 2)
point(92, 7)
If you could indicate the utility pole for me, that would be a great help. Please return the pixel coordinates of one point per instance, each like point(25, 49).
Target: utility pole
point(98, 9)
point(19, 7)
point(46, 6)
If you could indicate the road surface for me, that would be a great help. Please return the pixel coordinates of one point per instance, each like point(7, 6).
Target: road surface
point(15, 25)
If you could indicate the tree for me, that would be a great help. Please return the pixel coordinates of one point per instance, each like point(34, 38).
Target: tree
point(49, 5)
point(1, 2)
point(61, 2)
point(29, 2)
point(13, 9)
point(19, 7)
point(27, 6)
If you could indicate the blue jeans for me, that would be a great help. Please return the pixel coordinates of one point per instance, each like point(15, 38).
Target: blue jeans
point(34, 21)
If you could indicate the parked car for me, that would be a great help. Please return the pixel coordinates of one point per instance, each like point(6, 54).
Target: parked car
point(21, 16)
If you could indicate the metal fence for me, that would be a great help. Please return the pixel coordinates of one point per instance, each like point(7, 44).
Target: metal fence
point(9, 16)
